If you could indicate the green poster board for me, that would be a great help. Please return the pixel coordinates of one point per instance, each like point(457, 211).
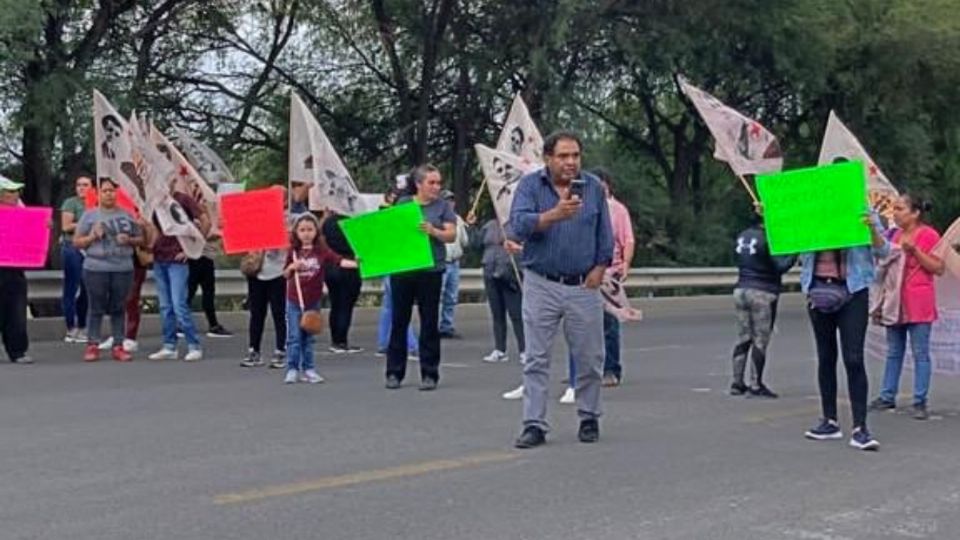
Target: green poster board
point(389, 241)
point(815, 209)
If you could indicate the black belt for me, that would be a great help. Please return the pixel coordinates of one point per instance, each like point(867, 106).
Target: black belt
point(577, 279)
point(830, 280)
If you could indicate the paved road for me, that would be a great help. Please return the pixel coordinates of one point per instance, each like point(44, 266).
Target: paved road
point(213, 451)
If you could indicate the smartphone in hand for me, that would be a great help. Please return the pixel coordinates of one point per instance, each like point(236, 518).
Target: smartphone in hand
point(576, 187)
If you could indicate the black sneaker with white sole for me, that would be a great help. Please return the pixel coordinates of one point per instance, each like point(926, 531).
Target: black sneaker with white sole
point(219, 331)
point(881, 404)
point(862, 440)
point(761, 392)
point(827, 430)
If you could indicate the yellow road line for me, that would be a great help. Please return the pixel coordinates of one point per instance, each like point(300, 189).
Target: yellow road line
point(363, 477)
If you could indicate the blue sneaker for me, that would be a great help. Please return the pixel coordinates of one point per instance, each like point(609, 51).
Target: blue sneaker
point(827, 430)
point(862, 440)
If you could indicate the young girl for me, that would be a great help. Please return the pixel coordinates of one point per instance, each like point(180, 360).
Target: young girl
point(305, 263)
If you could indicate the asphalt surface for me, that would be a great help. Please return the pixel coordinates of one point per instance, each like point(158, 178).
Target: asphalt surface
point(169, 450)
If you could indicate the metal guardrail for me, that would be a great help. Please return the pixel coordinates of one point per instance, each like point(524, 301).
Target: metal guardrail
point(47, 284)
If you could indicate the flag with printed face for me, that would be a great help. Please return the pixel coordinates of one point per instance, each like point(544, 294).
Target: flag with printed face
point(204, 160)
point(158, 175)
point(502, 171)
point(114, 152)
point(520, 135)
point(615, 300)
point(747, 146)
point(188, 180)
point(313, 160)
point(839, 143)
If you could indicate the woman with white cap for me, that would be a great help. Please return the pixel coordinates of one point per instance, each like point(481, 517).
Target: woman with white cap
point(13, 291)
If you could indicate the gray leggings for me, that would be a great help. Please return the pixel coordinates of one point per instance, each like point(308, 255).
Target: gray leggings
point(106, 293)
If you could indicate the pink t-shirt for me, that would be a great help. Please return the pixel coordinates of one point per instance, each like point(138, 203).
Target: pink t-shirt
point(622, 230)
point(918, 303)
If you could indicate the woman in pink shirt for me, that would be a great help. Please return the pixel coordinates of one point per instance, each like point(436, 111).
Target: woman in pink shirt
point(918, 305)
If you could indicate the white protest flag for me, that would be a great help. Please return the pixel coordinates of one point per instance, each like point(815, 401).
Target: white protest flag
point(114, 151)
point(502, 171)
point(520, 135)
point(314, 160)
point(946, 251)
point(615, 300)
point(188, 179)
point(747, 146)
point(158, 174)
point(840, 143)
point(206, 162)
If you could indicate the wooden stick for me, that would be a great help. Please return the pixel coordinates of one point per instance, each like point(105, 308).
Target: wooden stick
point(513, 261)
point(476, 199)
point(746, 185)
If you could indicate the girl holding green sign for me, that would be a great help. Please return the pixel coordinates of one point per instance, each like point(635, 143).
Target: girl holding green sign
point(836, 283)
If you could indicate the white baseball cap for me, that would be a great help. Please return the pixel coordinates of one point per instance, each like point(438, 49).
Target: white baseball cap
point(9, 185)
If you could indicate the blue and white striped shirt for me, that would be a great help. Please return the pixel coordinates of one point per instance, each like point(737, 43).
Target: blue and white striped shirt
point(571, 247)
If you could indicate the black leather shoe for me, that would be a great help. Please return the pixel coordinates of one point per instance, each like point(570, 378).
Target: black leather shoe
point(589, 431)
point(427, 385)
point(531, 437)
point(392, 383)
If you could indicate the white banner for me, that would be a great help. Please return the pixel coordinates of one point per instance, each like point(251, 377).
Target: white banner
point(615, 300)
point(502, 171)
point(840, 143)
point(114, 152)
point(188, 180)
point(944, 339)
point(747, 146)
point(520, 136)
point(158, 175)
point(206, 162)
point(313, 160)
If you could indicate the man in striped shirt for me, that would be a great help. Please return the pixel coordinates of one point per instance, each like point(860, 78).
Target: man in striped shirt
point(561, 217)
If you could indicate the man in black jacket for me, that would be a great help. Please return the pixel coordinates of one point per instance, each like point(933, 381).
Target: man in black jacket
point(755, 296)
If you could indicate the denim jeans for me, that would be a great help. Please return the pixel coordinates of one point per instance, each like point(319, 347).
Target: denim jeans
point(171, 281)
point(74, 290)
point(448, 297)
point(386, 316)
point(896, 349)
point(611, 343)
point(299, 343)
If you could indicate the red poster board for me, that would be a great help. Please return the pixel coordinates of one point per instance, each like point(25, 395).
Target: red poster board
point(253, 221)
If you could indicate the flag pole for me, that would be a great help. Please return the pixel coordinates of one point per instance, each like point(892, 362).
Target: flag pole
point(476, 198)
point(746, 185)
point(513, 261)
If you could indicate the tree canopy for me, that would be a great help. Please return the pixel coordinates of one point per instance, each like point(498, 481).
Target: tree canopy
point(399, 82)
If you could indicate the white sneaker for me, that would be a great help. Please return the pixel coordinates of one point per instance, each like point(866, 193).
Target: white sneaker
point(313, 377)
point(291, 376)
point(81, 336)
point(569, 397)
point(131, 345)
point(496, 357)
point(106, 344)
point(523, 358)
point(164, 354)
point(71, 336)
point(194, 355)
point(516, 393)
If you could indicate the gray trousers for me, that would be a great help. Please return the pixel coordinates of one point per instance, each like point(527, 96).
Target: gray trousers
point(107, 293)
point(547, 306)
